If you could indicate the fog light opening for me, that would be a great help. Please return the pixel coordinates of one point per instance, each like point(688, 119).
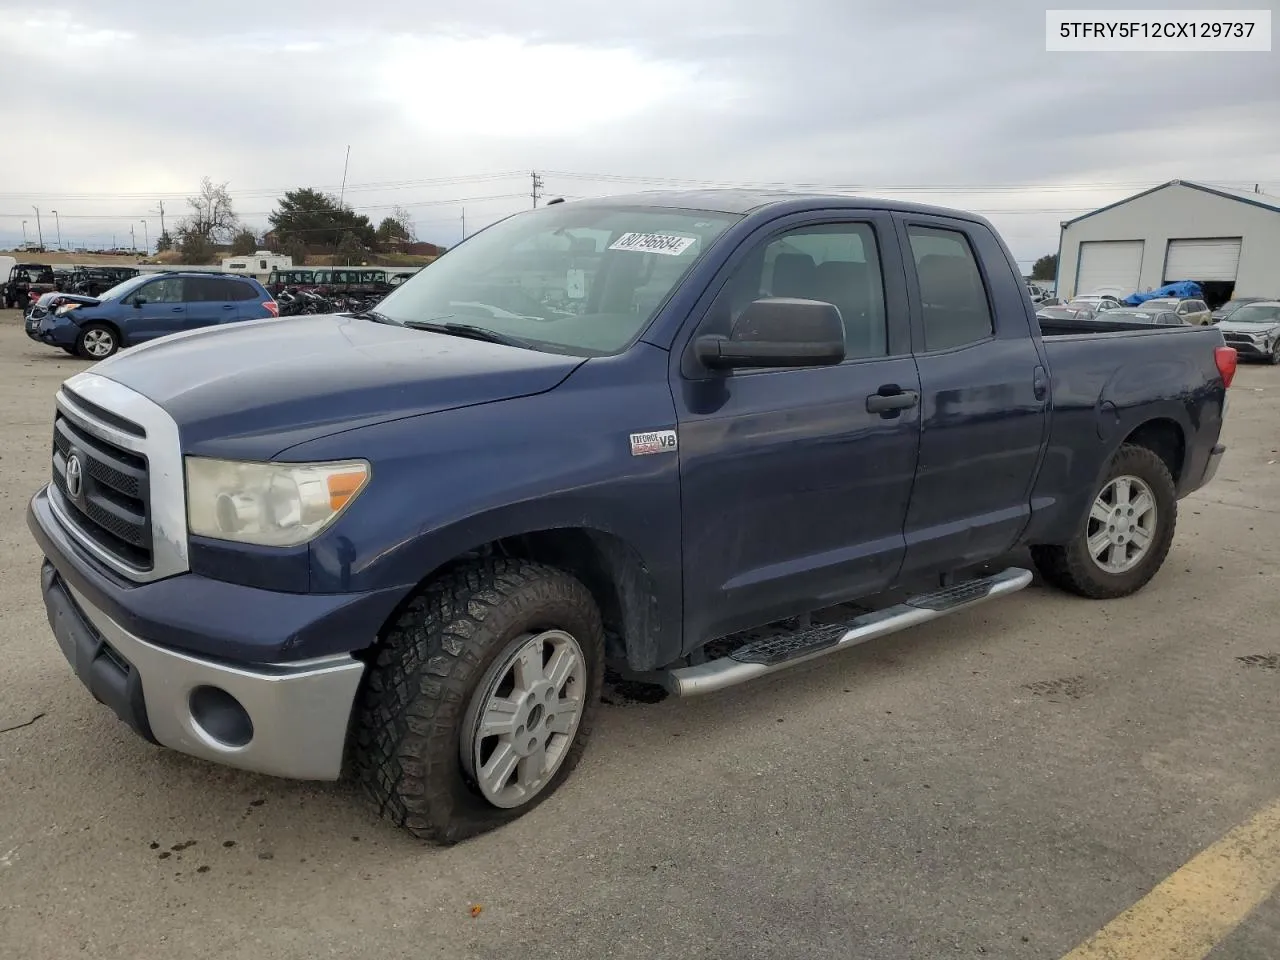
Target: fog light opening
point(219, 715)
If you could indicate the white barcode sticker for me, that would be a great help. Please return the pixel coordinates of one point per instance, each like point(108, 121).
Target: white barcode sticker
point(665, 243)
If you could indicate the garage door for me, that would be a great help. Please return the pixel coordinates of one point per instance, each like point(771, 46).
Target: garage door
point(1113, 266)
point(1202, 260)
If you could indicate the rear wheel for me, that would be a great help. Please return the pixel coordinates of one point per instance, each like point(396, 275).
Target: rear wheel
point(97, 342)
point(481, 699)
point(1125, 535)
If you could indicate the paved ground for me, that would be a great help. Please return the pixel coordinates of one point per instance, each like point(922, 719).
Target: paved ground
point(999, 784)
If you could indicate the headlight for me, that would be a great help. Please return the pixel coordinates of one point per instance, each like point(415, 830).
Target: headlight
point(66, 308)
point(274, 504)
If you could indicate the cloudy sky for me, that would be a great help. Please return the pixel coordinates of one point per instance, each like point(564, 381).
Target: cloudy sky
point(110, 108)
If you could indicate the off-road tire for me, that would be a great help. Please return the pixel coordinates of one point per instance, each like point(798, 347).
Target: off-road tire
point(408, 726)
point(1069, 566)
point(83, 351)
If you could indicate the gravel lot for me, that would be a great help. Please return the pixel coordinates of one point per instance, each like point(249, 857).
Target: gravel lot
point(1001, 783)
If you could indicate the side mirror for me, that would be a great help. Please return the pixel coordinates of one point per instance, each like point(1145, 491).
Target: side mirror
point(777, 332)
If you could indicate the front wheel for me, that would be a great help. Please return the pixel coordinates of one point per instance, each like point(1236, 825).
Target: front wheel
point(1125, 535)
point(97, 342)
point(1274, 358)
point(481, 698)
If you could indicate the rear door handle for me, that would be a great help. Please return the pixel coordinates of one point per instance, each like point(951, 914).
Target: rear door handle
point(228, 306)
point(892, 402)
point(177, 309)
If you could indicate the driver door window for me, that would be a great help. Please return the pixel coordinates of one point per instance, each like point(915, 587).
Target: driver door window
point(835, 263)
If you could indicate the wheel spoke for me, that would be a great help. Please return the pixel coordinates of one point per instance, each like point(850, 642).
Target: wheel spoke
point(1141, 537)
point(528, 667)
point(1123, 490)
point(1142, 504)
point(566, 714)
point(499, 719)
point(561, 666)
point(1098, 544)
point(497, 771)
point(1116, 556)
point(1100, 512)
point(533, 766)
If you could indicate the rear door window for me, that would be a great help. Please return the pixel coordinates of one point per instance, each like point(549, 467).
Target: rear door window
point(953, 298)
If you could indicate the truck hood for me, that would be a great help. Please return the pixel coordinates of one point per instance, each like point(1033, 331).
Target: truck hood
point(1256, 328)
point(253, 389)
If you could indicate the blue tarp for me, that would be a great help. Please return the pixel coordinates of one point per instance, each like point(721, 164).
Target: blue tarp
point(1182, 289)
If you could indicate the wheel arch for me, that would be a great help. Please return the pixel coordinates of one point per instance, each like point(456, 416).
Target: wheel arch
point(612, 570)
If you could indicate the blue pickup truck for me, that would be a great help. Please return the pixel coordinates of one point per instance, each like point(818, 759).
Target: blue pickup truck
point(657, 433)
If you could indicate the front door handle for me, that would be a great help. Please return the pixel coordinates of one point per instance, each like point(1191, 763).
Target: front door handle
point(177, 309)
point(1040, 383)
point(892, 403)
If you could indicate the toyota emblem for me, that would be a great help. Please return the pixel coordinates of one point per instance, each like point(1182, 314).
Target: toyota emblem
point(75, 477)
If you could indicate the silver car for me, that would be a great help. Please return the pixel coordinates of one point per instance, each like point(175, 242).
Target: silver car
point(1254, 330)
point(1193, 311)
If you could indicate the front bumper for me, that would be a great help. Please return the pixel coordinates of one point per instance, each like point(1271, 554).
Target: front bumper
point(286, 720)
point(183, 660)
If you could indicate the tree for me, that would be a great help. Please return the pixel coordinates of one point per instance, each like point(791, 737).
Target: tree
point(212, 217)
point(1046, 268)
point(243, 244)
point(318, 220)
point(392, 232)
point(350, 250)
point(297, 250)
point(195, 249)
point(164, 243)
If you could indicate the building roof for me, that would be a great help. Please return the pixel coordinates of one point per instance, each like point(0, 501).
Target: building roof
point(1264, 200)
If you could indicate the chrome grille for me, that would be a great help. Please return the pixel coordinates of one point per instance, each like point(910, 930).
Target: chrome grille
point(112, 507)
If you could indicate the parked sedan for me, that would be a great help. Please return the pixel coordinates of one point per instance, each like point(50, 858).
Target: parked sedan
point(145, 308)
point(1099, 302)
point(1195, 312)
point(1254, 330)
point(1231, 306)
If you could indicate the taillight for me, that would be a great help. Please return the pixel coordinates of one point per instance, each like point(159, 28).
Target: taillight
point(1226, 359)
point(273, 308)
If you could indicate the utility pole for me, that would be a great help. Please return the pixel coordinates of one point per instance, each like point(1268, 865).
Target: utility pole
point(39, 231)
point(537, 186)
point(342, 191)
point(464, 223)
point(162, 218)
point(133, 239)
point(146, 242)
point(59, 225)
point(24, 233)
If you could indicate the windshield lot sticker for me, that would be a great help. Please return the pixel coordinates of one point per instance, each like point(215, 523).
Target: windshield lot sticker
point(665, 243)
point(658, 441)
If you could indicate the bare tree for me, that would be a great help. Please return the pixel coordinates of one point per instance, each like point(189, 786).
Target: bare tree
point(212, 217)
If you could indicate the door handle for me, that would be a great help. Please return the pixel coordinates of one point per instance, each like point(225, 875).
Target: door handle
point(177, 309)
point(892, 403)
point(1039, 383)
point(228, 306)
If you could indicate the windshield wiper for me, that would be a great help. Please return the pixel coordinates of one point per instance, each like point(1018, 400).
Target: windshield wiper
point(375, 316)
point(467, 330)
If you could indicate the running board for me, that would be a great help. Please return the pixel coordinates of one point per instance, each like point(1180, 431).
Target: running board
point(771, 654)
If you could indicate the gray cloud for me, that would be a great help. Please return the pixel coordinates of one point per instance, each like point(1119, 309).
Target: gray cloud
point(128, 105)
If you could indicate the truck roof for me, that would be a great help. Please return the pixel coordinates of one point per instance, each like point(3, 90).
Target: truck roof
point(740, 201)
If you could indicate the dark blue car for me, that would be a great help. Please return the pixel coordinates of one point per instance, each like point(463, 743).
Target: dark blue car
point(144, 308)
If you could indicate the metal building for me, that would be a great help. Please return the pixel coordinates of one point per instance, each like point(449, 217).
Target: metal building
point(1228, 241)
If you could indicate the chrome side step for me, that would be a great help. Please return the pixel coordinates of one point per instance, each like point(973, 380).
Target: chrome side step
point(760, 657)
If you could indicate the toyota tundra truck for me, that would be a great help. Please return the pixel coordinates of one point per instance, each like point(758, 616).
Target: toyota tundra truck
point(655, 434)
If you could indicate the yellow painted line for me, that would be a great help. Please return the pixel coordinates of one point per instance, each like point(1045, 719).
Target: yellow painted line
point(1197, 906)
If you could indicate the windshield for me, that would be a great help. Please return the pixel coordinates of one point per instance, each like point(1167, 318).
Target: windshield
point(1134, 316)
point(568, 278)
point(1256, 314)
